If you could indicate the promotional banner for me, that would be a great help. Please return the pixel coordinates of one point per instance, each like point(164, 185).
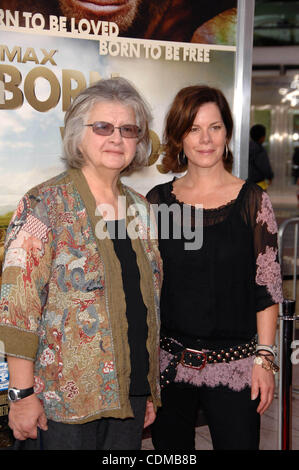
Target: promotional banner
point(50, 51)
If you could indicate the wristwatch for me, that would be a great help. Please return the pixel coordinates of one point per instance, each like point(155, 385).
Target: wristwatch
point(258, 360)
point(15, 394)
point(266, 364)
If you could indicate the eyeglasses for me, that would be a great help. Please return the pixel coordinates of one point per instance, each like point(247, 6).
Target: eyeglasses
point(129, 131)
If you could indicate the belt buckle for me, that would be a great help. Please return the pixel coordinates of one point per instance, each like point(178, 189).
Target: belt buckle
point(199, 354)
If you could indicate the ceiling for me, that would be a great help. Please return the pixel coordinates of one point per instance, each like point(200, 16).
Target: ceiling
point(275, 59)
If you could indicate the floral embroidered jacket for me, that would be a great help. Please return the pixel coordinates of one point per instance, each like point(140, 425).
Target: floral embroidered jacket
point(63, 305)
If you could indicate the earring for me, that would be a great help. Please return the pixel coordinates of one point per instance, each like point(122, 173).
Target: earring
point(226, 152)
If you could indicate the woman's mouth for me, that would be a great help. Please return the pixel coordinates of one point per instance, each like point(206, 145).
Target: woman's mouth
point(206, 152)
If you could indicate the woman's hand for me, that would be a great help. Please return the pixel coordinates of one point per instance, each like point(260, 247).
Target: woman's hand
point(25, 416)
point(263, 384)
point(150, 414)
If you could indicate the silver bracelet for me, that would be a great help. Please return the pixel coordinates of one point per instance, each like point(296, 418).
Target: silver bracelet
point(265, 347)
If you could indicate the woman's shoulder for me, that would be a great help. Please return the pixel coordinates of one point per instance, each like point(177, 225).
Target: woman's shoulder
point(254, 191)
point(257, 202)
point(245, 186)
point(235, 184)
point(160, 193)
point(47, 185)
point(40, 194)
point(248, 195)
point(231, 189)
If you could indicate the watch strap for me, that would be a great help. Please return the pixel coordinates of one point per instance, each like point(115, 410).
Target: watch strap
point(20, 393)
point(25, 392)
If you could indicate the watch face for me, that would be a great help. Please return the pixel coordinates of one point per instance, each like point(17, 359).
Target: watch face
point(12, 395)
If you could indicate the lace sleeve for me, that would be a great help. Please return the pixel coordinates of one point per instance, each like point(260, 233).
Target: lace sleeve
point(268, 279)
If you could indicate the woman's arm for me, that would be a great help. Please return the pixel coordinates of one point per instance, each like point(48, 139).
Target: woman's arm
point(27, 414)
point(263, 382)
point(27, 264)
point(268, 288)
point(267, 324)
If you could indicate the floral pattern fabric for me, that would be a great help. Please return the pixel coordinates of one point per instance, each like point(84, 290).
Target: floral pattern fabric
point(54, 305)
point(267, 267)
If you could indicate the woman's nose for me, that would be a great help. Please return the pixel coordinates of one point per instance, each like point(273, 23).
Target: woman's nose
point(205, 135)
point(116, 135)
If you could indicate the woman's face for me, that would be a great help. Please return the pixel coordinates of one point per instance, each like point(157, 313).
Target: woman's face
point(204, 145)
point(112, 152)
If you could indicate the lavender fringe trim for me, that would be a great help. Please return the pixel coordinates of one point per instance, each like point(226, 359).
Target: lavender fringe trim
point(236, 375)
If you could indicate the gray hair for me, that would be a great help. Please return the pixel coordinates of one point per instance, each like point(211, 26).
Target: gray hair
point(114, 89)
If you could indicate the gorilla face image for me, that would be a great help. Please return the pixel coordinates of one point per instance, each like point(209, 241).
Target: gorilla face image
point(122, 12)
point(196, 21)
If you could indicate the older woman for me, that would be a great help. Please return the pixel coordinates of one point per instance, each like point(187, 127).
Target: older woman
point(79, 303)
point(218, 296)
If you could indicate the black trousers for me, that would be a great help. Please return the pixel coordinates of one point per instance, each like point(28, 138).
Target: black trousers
point(101, 434)
point(231, 416)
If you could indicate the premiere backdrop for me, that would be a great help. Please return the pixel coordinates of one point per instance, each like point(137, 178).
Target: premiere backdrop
point(49, 51)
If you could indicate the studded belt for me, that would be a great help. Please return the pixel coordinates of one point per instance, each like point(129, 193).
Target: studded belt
point(195, 359)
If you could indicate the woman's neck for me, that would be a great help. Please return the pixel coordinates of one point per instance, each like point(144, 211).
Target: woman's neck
point(104, 188)
point(102, 185)
point(211, 187)
point(206, 178)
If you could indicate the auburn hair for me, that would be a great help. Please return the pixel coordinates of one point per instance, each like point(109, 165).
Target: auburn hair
point(179, 121)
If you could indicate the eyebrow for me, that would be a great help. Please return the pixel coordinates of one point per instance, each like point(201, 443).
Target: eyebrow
point(212, 123)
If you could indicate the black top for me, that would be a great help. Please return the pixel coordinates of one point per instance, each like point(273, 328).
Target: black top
point(211, 293)
point(136, 310)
